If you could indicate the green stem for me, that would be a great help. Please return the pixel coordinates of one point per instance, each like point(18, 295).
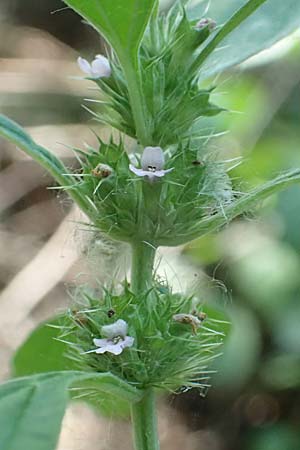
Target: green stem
point(137, 102)
point(142, 266)
point(143, 413)
point(144, 421)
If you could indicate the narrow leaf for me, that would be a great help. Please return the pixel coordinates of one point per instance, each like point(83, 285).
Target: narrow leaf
point(240, 16)
point(14, 133)
point(272, 21)
point(17, 135)
point(246, 203)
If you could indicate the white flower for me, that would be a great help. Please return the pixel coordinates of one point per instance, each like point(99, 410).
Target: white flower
point(118, 328)
point(99, 67)
point(152, 162)
point(116, 339)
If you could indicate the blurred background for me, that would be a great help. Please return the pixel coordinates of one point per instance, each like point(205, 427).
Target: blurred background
point(254, 264)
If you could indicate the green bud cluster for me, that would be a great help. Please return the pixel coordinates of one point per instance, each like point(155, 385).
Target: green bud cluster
point(167, 352)
point(164, 212)
point(173, 100)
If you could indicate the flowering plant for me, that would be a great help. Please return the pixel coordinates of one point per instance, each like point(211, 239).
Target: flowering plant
point(165, 190)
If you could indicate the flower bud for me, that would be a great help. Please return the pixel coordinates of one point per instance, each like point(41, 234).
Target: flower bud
point(102, 171)
point(99, 68)
point(206, 22)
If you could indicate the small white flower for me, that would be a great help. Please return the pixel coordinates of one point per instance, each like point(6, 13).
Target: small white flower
point(152, 162)
point(116, 339)
point(99, 67)
point(118, 328)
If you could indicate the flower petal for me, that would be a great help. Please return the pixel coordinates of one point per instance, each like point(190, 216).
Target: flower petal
point(161, 173)
point(84, 65)
point(100, 342)
point(147, 173)
point(101, 67)
point(139, 172)
point(128, 342)
point(115, 349)
point(119, 328)
point(152, 157)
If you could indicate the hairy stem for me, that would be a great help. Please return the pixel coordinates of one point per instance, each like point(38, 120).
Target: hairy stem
point(138, 104)
point(144, 421)
point(143, 413)
point(142, 266)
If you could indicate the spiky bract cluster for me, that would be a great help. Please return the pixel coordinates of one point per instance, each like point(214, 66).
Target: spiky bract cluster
point(173, 100)
point(166, 354)
point(132, 208)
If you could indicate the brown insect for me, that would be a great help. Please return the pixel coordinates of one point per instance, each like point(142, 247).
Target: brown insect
point(79, 318)
point(194, 321)
point(201, 315)
point(102, 171)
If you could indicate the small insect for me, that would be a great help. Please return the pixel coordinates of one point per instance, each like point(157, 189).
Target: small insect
point(111, 313)
point(197, 163)
point(190, 319)
point(102, 171)
point(79, 318)
point(201, 315)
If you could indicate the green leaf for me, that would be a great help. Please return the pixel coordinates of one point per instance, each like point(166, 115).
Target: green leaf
point(14, 133)
point(31, 411)
point(238, 17)
point(245, 35)
point(245, 203)
point(122, 23)
point(43, 352)
point(32, 408)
